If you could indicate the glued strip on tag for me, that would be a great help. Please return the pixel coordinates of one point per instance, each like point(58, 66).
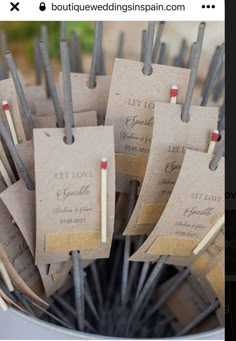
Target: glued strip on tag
point(60, 242)
point(150, 213)
point(130, 164)
point(173, 246)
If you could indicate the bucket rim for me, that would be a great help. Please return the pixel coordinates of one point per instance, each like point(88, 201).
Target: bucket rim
point(89, 336)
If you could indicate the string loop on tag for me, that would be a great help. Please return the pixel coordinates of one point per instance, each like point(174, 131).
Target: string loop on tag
point(96, 54)
point(68, 104)
point(217, 157)
point(147, 68)
point(185, 116)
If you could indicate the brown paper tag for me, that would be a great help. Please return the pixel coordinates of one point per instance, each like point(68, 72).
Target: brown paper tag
point(35, 94)
point(69, 190)
point(131, 107)
point(187, 302)
point(8, 93)
point(216, 278)
point(58, 267)
point(17, 281)
point(196, 203)
point(50, 283)
point(15, 246)
point(201, 263)
point(20, 202)
point(171, 138)
point(85, 99)
point(83, 119)
point(6, 164)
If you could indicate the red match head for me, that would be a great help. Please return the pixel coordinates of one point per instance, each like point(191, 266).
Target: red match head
point(174, 91)
point(103, 163)
point(215, 135)
point(5, 105)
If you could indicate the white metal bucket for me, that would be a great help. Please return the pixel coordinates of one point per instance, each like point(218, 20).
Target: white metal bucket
point(16, 326)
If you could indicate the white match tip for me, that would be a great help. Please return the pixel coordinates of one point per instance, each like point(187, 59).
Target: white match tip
point(104, 159)
point(174, 87)
point(4, 102)
point(216, 131)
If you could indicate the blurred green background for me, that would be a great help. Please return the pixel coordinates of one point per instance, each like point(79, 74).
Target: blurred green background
point(22, 32)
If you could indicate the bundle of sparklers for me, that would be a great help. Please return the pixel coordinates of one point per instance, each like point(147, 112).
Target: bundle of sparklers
point(111, 189)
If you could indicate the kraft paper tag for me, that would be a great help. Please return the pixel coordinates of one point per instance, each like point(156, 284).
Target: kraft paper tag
point(34, 94)
point(196, 203)
point(8, 93)
point(6, 164)
point(202, 262)
point(83, 119)
point(216, 278)
point(131, 105)
point(68, 192)
point(171, 138)
point(187, 302)
point(15, 247)
point(20, 203)
point(26, 152)
point(58, 267)
point(85, 99)
point(18, 282)
point(51, 283)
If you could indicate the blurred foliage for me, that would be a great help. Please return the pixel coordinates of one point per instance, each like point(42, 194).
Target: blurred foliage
point(25, 31)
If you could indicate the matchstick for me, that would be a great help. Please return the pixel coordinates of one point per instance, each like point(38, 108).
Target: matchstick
point(210, 235)
point(3, 304)
point(5, 106)
point(104, 199)
point(214, 139)
point(4, 174)
point(173, 94)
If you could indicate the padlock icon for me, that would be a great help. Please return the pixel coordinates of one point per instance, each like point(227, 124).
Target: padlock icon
point(42, 6)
